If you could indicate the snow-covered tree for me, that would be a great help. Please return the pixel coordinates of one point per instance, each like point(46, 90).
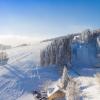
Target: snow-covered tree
point(59, 52)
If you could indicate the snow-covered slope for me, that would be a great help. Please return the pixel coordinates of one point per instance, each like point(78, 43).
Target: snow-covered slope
point(81, 54)
point(21, 75)
point(90, 88)
point(14, 76)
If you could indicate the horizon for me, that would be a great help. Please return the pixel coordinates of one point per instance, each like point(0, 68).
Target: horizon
point(15, 40)
point(44, 19)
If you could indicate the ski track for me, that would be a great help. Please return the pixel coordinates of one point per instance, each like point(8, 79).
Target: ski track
point(16, 78)
point(19, 76)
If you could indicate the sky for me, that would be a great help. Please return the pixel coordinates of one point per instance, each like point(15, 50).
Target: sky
point(41, 19)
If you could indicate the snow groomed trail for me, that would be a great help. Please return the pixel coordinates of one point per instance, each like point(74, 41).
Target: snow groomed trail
point(16, 76)
point(19, 76)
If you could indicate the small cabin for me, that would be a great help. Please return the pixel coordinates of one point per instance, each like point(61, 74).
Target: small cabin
point(58, 95)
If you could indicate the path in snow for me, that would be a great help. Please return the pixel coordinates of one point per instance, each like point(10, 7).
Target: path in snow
point(19, 76)
point(16, 78)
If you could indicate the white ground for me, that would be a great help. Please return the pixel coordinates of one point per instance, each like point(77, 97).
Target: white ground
point(17, 78)
point(90, 88)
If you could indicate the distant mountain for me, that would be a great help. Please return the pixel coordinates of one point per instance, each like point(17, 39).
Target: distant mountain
point(3, 47)
point(21, 45)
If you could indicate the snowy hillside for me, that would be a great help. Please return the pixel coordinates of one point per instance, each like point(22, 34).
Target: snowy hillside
point(23, 72)
point(90, 88)
point(21, 75)
point(80, 53)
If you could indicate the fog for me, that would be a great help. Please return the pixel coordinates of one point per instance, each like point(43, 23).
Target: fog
point(15, 40)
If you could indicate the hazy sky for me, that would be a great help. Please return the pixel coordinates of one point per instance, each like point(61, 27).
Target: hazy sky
point(47, 18)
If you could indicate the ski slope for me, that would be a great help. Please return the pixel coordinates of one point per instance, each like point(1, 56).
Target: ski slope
point(16, 76)
point(22, 74)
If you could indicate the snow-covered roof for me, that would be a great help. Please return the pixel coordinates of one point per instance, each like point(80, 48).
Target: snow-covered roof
point(52, 90)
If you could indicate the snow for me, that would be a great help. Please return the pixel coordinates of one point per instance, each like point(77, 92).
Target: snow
point(27, 96)
point(19, 77)
point(16, 76)
point(90, 88)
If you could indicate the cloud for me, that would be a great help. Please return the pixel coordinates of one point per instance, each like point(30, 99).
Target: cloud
point(18, 39)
